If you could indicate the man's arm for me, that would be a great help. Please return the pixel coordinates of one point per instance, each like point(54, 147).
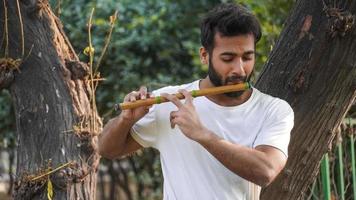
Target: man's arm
point(260, 165)
point(115, 140)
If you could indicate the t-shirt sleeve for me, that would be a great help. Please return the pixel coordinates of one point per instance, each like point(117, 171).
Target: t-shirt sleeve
point(145, 130)
point(276, 130)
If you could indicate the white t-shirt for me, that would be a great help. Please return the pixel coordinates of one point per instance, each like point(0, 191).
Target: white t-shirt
point(190, 172)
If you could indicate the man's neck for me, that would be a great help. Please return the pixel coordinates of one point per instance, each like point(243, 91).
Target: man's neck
point(222, 99)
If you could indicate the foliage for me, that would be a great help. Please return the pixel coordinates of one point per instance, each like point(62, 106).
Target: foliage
point(154, 42)
point(272, 15)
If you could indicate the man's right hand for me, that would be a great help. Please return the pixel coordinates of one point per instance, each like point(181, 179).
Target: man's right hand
point(115, 140)
point(133, 115)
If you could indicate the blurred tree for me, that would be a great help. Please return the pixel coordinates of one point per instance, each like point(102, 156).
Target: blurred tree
point(56, 119)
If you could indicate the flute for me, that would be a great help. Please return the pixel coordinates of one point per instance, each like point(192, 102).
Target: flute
point(194, 93)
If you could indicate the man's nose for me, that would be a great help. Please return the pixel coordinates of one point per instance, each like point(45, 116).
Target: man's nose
point(238, 67)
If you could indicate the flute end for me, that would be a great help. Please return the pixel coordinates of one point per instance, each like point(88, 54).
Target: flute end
point(248, 85)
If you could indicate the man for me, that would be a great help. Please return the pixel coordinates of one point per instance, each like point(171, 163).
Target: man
point(213, 147)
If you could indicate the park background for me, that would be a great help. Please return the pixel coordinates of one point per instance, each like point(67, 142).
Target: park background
point(153, 43)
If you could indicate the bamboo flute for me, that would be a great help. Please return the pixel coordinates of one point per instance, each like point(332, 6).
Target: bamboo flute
point(194, 93)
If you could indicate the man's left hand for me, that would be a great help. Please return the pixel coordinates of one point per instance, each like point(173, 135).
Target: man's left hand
point(186, 116)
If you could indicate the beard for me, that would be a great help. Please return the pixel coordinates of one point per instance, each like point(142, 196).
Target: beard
point(217, 80)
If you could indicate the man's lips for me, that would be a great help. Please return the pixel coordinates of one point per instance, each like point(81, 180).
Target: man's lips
point(234, 82)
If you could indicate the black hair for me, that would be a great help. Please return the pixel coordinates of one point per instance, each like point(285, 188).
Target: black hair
point(228, 19)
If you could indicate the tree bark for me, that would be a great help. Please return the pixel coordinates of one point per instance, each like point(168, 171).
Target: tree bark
point(56, 122)
point(313, 67)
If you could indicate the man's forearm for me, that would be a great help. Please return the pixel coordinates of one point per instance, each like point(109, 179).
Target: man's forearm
point(113, 138)
point(248, 163)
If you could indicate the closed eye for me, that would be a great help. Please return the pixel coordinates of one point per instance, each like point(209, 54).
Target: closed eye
point(227, 58)
point(248, 55)
point(247, 58)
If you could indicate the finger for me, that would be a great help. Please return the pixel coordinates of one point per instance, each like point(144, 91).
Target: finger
point(172, 115)
point(133, 96)
point(174, 122)
point(143, 92)
point(188, 96)
point(127, 98)
point(147, 109)
point(172, 99)
point(150, 94)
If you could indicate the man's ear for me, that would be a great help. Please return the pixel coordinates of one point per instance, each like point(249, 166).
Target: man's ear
point(204, 56)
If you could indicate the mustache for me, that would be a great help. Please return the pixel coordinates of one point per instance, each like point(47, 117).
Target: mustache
point(235, 78)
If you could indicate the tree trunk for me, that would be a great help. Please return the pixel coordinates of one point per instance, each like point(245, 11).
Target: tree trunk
point(313, 67)
point(56, 120)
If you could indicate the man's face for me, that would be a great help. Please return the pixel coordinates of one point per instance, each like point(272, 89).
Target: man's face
point(231, 61)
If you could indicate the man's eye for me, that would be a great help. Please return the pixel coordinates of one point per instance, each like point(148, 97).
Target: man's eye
point(227, 59)
point(247, 58)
